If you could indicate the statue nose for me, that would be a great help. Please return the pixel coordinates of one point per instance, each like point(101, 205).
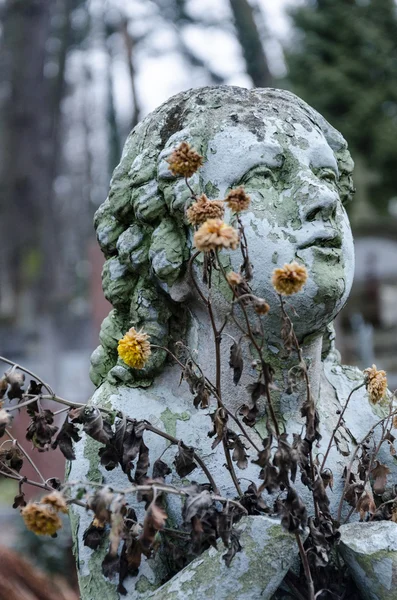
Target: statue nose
point(322, 206)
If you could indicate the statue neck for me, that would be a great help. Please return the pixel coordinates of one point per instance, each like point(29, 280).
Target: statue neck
point(201, 341)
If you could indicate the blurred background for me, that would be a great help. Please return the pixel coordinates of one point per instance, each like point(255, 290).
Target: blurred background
point(77, 75)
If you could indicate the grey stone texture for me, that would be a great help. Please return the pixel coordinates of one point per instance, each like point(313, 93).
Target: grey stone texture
point(370, 550)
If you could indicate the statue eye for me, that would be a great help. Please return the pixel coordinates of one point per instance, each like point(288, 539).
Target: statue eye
point(261, 172)
point(328, 175)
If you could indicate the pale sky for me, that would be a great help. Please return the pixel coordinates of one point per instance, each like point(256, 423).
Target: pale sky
point(163, 74)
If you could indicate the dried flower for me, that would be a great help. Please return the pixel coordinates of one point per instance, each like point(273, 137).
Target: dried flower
point(237, 200)
point(290, 279)
point(261, 307)
point(56, 500)
point(184, 161)
point(214, 234)
point(205, 209)
point(134, 348)
point(395, 422)
point(376, 384)
point(234, 279)
point(41, 518)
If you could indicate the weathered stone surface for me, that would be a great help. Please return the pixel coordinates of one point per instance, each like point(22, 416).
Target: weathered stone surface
point(297, 170)
point(255, 572)
point(370, 550)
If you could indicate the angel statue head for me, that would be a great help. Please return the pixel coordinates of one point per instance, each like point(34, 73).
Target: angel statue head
point(296, 169)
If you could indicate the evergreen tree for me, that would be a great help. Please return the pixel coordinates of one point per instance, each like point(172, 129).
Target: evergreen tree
point(344, 63)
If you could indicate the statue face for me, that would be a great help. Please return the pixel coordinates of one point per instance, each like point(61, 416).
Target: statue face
point(291, 175)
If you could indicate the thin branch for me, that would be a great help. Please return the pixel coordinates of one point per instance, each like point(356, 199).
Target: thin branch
point(338, 424)
point(15, 441)
point(166, 489)
point(10, 362)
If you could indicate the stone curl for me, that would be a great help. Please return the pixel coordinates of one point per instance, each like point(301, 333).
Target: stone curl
point(142, 228)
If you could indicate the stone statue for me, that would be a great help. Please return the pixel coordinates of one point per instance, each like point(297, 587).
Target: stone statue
point(298, 172)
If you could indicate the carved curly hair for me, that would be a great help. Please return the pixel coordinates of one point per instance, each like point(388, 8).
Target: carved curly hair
point(142, 228)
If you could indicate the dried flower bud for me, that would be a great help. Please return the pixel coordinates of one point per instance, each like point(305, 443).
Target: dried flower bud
point(261, 307)
point(234, 279)
point(134, 348)
point(184, 161)
point(215, 234)
point(41, 519)
point(56, 500)
point(290, 279)
point(204, 209)
point(237, 200)
point(376, 384)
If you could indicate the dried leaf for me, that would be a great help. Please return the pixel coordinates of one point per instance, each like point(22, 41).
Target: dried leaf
point(94, 425)
point(236, 361)
point(111, 565)
point(101, 503)
point(65, 438)
point(219, 419)
point(16, 381)
point(160, 469)
point(154, 521)
point(94, 534)
point(41, 430)
point(196, 505)
point(253, 502)
point(116, 523)
point(293, 512)
point(197, 385)
point(184, 461)
point(249, 414)
point(379, 473)
point(19, 500)
point(365, 505)
point(239, 454)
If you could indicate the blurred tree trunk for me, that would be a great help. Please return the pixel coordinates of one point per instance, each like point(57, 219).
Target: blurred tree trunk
point(29, 145)
point(24, 150)
point(251, 44)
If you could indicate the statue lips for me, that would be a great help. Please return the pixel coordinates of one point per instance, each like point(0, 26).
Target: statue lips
point(326, 238)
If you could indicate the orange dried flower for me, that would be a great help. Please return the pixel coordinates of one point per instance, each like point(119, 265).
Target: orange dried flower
point(237, 200)
point(205, 209)
point(184, 161)
point(214, 234)
point(56, 500)
point(134, 348)
point(289, 279)
point(41, 519)
point(376, 384)
point(261, 307)
point(234, 279)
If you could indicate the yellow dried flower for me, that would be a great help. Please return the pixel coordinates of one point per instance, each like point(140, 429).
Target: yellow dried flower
point(376, 384)
point(134, 348)
point(289, 279)
point(56, 500)
point(395, 422)
point(261, 307)
point(214, 234)
point(205, 209)
point(41, 519)
point(184, 161)
point(234, 279)
point(237, 200)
